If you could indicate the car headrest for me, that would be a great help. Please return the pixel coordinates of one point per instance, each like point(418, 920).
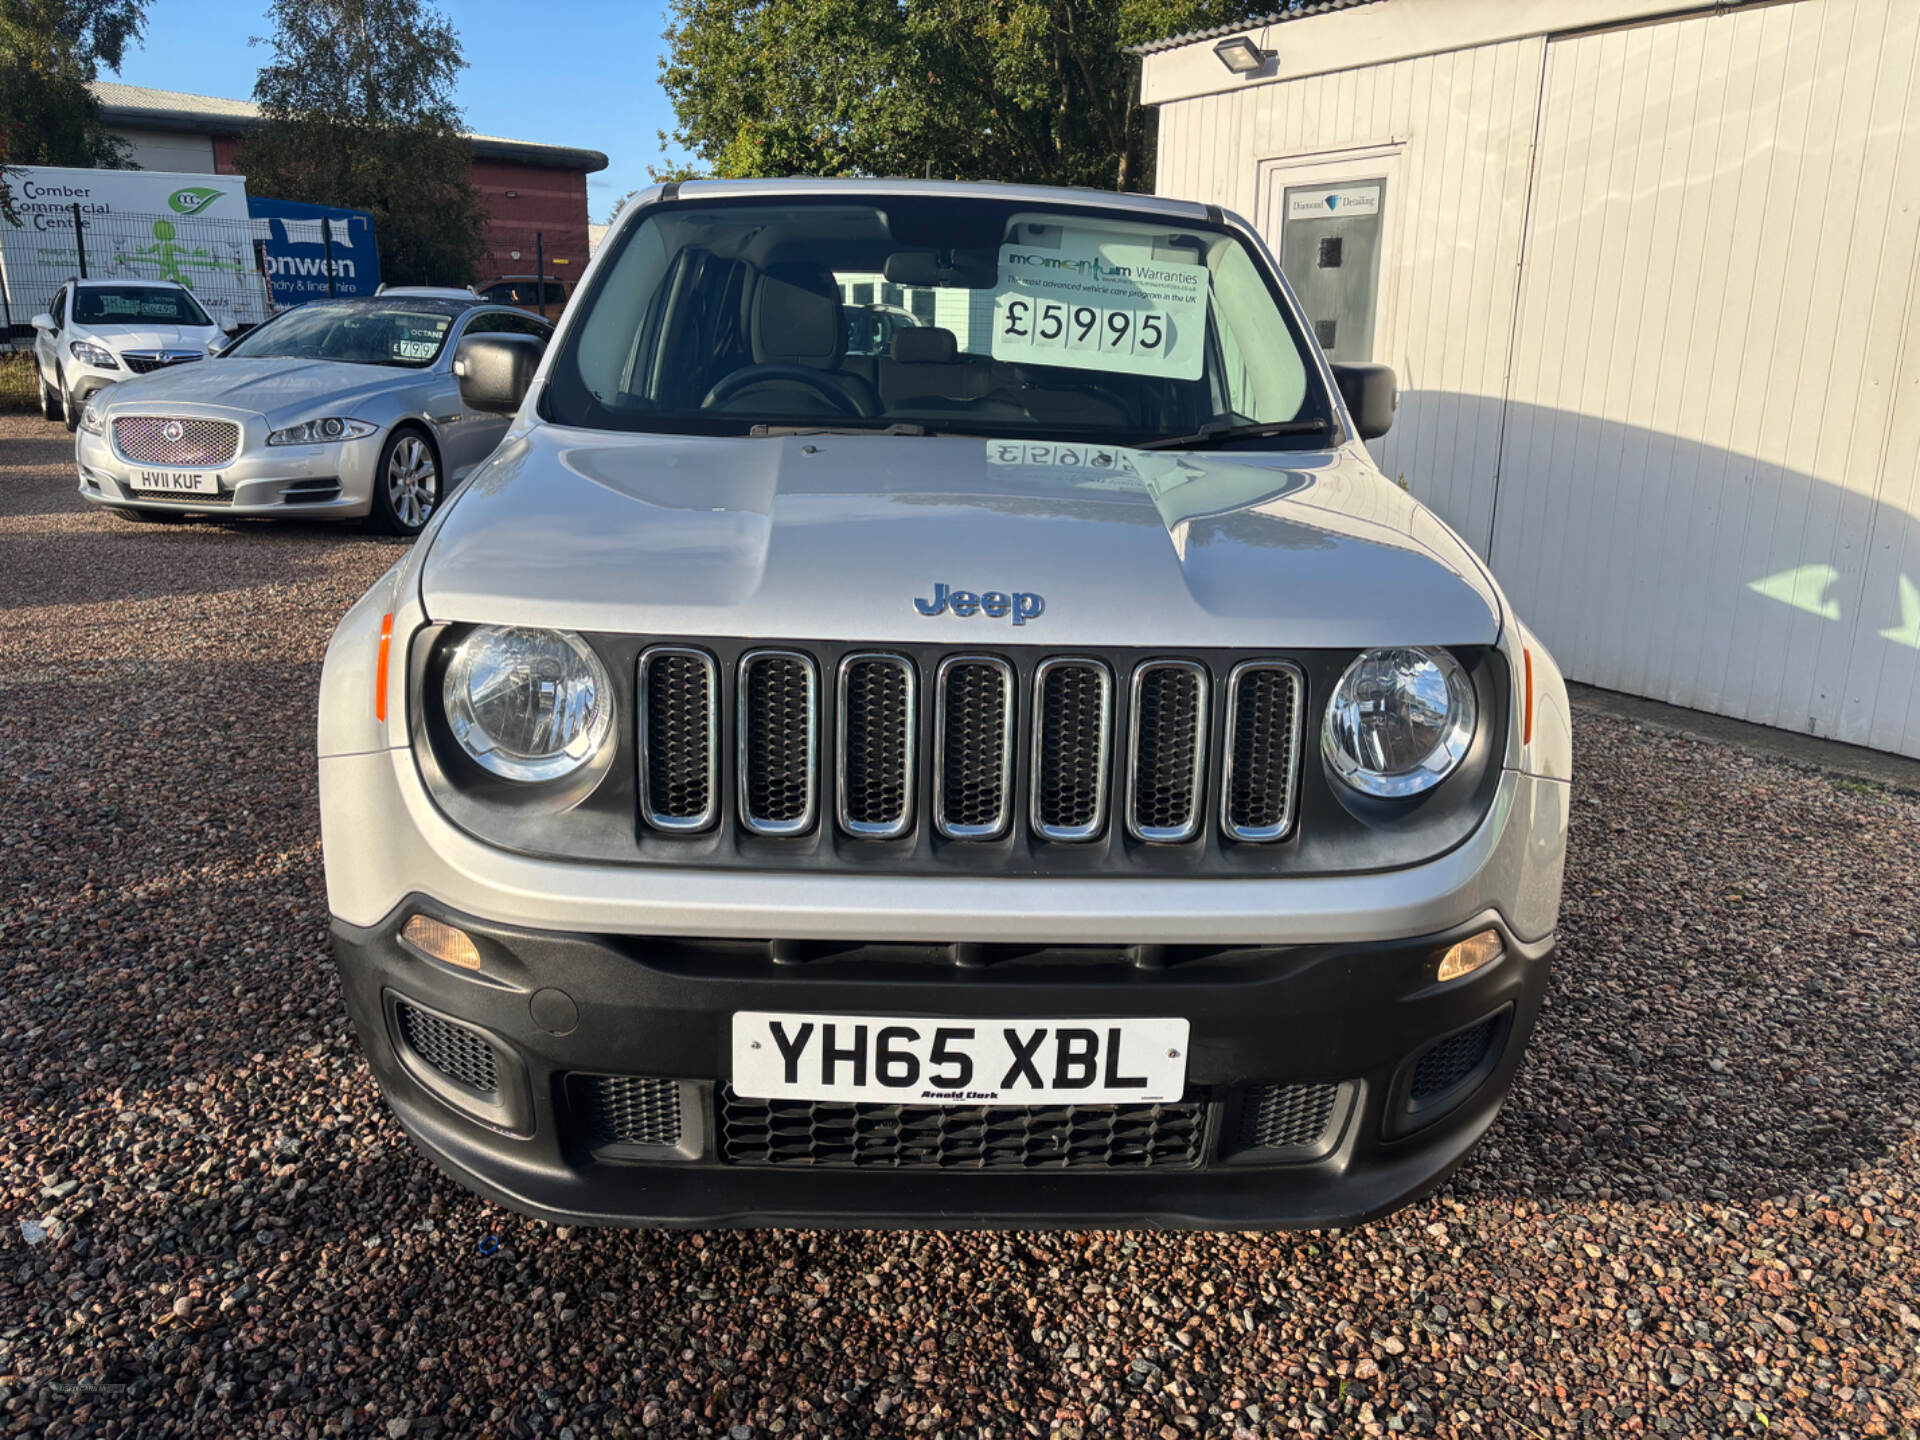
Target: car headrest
point(931, 346)
point(796, 317)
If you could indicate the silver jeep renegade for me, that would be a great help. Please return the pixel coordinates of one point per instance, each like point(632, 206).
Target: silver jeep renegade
point(931, 716)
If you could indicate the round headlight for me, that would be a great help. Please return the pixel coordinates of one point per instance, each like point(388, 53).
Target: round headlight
point(528, 704)
point(1399, 722)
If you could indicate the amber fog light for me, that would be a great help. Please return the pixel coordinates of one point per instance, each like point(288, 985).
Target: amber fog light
point(442, 942)
point(1469, 955)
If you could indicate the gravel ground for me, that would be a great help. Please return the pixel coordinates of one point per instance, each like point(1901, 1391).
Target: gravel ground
point(1695, 1218)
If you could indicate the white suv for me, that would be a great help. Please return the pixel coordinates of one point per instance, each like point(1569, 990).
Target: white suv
point(101, 331)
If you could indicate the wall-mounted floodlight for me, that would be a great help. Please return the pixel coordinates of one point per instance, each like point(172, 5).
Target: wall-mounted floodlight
point(1241, 55)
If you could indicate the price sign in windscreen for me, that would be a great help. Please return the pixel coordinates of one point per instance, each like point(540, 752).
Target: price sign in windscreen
point(1098, 302)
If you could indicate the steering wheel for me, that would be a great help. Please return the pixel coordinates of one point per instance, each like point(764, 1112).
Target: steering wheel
point(814, 380)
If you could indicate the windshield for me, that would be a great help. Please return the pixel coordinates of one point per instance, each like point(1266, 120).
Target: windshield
point(966, 316)
point(409, 334)
point(135, 304)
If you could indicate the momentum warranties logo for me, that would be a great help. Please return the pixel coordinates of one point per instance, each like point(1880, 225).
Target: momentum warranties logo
point(192, 200)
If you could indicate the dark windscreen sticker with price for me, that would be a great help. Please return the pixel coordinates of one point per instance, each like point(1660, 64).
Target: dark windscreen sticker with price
point(418, 337)
point(1101, 302)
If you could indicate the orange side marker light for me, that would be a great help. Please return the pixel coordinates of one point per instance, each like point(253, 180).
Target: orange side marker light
point(1527, 726)
point(386, 649)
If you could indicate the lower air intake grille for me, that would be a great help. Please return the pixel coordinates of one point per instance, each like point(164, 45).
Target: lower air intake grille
point(1452, 1060)
point(877, 724)
point(1073, 713)
point(963, 1137)
point(679, 738)
point(974, 742)
point(626, 1109)
point(455, 1051)
point(1263, 713)
point(778, 725)
point(1169, 751)
point(1286, 1117)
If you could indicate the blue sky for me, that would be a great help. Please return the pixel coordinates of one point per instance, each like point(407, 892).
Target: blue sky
point(572, 75)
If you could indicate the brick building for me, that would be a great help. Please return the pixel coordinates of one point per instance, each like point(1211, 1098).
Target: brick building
point(527, 188)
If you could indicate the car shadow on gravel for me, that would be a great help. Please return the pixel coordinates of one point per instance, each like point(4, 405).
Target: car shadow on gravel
point(1735, 1008)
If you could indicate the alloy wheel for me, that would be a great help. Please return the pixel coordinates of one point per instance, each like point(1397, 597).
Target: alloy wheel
point(413, 482)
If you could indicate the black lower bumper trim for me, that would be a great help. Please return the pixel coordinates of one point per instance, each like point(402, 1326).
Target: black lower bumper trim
point(1298, 1111)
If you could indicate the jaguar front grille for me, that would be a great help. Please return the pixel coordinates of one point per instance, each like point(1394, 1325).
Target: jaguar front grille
point(973, 747)
point(779, 742)
point(1072, 726)
point(875, 745)
point(187, 440)
point(1263, 748)
point(679, 738)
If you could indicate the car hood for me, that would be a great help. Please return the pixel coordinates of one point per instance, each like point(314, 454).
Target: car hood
point(836, 537)
point(277, 389)
point(151, 337)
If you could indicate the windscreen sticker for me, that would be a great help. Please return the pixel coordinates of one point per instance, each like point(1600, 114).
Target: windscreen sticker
point(418, 340)
point(1094, 304)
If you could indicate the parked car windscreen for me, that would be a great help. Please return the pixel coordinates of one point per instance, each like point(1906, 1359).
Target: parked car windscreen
point(133, 304)
point(409, 333)
point(959, 316)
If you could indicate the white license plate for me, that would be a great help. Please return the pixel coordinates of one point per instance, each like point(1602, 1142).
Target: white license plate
point(195, 482)
point(957, 1062)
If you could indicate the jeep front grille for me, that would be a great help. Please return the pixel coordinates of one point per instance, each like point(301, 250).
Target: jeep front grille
point(1167, 764)
point(779, 741)
point(187, 440)
point(946, 753)
point(875, 745)
point(679, 738)
point(1263, 747)
point(1072, 723)
point(973, 747)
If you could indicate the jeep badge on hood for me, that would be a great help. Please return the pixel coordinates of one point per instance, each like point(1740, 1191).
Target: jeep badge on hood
point(994, 604)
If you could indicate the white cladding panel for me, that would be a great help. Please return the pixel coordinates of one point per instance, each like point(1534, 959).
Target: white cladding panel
point(1461, 127)
point(1676, 330)
point(1707, 490)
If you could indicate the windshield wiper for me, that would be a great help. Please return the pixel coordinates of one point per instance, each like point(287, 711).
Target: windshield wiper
point(1219, 430)
point(901, 427)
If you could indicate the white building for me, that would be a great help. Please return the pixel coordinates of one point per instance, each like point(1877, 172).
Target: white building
point(1648, 271)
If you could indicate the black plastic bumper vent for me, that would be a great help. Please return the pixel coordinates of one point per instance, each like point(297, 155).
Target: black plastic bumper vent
point(458, 1053)
point(961, 1137)
point(626, 1109)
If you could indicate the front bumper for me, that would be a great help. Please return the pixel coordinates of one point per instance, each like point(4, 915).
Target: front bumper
point(321, 481)
point(553, 1007)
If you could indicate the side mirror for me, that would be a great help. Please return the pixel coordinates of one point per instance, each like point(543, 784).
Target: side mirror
point(44, 321)
point(1372, 394)
point(494, 371)
point(230, 327)
point(217, 344)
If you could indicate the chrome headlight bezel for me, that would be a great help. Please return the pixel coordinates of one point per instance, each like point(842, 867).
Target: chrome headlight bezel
point(1454, 732)
point(585, 739)
point(89, 352)
point(326, 430)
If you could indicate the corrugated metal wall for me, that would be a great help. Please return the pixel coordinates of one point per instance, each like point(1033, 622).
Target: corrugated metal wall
point(1709, 486)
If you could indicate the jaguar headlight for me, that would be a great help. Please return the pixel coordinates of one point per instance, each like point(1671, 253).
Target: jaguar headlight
point(91, 420)
point(98, 356)
point(527, 704)
point(327, 431)
point(1399, 722)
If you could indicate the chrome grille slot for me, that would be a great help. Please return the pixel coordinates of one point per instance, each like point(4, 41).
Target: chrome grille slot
point(875, 745)
point(679, 738)
point(1072, 726)
point(973, 747)
point(167, 440)
point(1264, 704)
point(1167, 751)
point(778, 742)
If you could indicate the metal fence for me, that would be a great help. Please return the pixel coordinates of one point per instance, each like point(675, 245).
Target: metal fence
point(223, 262)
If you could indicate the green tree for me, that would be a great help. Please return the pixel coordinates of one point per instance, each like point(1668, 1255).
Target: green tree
point(50, 52)
point(359, 111)
point(1028, 90)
